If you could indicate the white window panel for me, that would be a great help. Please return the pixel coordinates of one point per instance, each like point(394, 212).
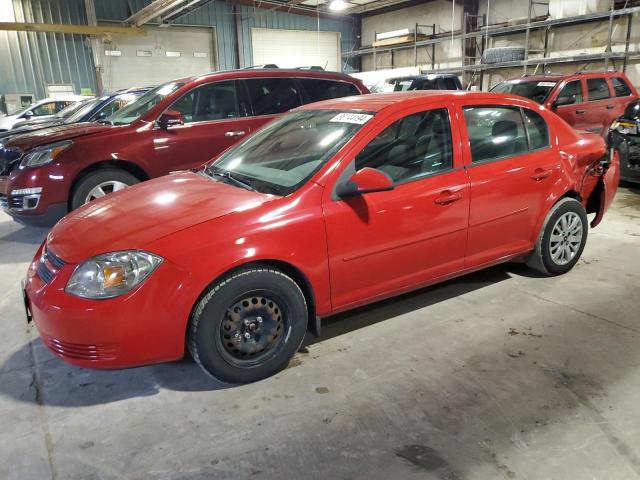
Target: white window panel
point(131, 70)
point(296, 48)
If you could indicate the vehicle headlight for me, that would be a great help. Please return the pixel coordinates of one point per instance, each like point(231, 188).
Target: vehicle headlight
point(44, 154)
point(112, 274)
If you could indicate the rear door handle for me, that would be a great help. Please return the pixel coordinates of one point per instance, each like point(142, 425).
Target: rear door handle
point(579, 111)
point(447, 197)
point(540, 174)
point(234, 133)
point(609, 107)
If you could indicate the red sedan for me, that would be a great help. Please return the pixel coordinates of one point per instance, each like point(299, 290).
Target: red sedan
point(334, 205)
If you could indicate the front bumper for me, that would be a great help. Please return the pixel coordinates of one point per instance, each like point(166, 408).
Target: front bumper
point(145, 326)
point(43, 208)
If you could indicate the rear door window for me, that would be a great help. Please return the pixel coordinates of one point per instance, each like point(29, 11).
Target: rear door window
point(495, 132)
point(269, 96)
point(598, 89)
point(449, 83)
point(620, 87)
point(318, 89)
point(213, 101)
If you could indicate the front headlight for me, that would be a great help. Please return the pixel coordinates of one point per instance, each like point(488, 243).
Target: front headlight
point(112, 274)
point(44, 154)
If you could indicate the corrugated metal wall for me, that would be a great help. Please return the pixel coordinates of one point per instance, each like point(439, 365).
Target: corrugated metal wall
point(219, 14)
point(29, 61)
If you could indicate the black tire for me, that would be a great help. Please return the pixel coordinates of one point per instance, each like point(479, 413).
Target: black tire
point(93, 179)
point(542, 258)
point(216, 334)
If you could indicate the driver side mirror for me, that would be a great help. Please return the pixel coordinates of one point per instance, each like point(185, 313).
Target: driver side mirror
point(366, 180)
point(560, 101)
point(27, 114)
point(170, 118)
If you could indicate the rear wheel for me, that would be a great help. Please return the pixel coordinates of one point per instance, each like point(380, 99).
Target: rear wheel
point(562, 238)
point(248, 326)
point(100, 183)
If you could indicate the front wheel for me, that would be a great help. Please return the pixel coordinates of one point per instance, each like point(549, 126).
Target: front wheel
point(100, 183)
point(248, 325)
point(562, 238)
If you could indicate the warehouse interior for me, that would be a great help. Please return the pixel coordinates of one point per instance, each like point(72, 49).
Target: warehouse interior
point(496, 370)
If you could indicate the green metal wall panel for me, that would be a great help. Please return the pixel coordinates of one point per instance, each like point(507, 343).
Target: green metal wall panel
point(29, 61)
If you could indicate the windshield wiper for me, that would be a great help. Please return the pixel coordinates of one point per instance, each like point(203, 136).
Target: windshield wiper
point(227, 174)
point(104, 121)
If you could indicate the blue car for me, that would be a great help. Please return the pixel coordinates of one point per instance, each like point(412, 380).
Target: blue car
point(92, 110)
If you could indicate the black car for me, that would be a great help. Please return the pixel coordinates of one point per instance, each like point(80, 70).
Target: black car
point(87, 111)
point(440, 81)
point(624, 134)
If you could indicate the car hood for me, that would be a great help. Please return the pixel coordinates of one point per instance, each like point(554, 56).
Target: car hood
point(55, 134)
point(7, 121)
point(134, 217)
point(14, 132)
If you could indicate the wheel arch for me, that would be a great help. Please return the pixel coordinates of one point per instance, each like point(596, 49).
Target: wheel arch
point(297, 275)
point(124, 165)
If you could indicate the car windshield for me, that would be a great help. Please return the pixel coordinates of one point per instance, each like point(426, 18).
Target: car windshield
point(281, 157)
point(75, 112)
point(23, 110)
point(143, 104)
point(538, 91)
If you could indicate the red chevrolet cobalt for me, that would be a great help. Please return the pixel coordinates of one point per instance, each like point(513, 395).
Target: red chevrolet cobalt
point(334, 205)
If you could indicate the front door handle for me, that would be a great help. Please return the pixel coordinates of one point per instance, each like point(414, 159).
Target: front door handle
point(609, 107)
point(540, 174)
point(579, 111)
point(447, 197)
point(234, 133)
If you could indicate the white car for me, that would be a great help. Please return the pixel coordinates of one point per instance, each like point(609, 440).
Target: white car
point(40, 109)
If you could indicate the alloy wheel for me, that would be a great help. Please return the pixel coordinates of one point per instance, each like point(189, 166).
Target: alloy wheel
point(103, 189)
point(566, 238)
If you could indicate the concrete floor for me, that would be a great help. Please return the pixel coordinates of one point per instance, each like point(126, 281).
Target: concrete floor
point(497, 375)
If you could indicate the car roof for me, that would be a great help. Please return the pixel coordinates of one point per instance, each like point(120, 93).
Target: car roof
point(376, 102)
point(268, 72)
point(556, 77)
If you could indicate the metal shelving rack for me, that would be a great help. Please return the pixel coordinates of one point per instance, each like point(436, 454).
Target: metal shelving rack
point(470, 64)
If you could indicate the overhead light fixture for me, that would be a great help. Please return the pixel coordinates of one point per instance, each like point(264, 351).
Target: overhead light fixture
point(338, 5)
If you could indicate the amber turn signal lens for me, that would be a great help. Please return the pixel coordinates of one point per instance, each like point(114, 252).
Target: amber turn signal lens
point(113, 276)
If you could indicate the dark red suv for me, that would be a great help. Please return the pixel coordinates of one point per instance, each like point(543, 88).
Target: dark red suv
point(176, 126)
point(588, 101)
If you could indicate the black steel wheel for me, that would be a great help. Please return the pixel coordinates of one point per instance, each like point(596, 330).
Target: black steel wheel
point(248, 325)
point(253, 328)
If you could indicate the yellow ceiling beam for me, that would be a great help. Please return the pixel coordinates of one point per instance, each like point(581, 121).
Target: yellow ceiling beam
point(67, 28)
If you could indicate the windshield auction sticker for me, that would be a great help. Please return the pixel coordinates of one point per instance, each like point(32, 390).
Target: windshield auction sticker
point(357, 118)
point(546, 84)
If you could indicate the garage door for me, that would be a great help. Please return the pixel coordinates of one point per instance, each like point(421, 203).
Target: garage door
point(296, 48)
point(163, 54)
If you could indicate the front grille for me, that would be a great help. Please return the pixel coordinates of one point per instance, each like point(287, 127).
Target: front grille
point(56, 261)
point(44, 273)
point(82, 351)
point(48, 265)
point(17, 201)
